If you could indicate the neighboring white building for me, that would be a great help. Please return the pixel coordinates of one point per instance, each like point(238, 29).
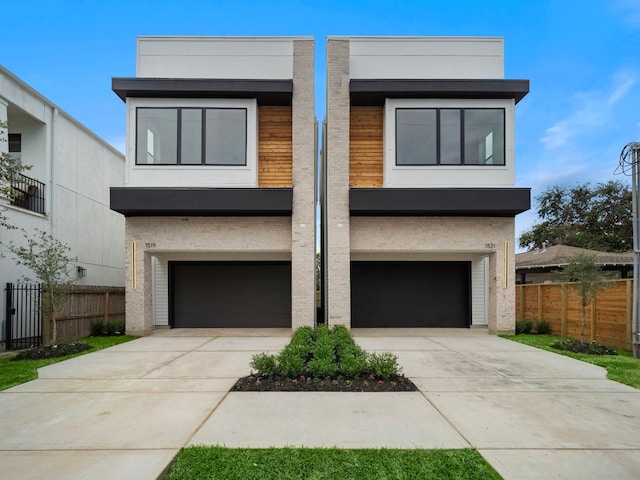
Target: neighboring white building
point(66, 192)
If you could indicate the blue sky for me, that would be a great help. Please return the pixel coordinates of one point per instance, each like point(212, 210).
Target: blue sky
point(581, 56)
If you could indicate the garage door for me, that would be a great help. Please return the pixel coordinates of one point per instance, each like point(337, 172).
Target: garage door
point(230, 294)
point(410, 294)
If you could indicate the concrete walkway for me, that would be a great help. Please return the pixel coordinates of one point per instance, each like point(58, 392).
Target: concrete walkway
point(124, 412)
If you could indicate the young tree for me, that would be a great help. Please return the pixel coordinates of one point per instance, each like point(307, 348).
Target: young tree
point(590, 279)
point(49, 260)
point(9, 169)
point(595, 217)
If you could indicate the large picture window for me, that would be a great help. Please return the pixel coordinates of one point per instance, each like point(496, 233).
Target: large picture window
point(191, 136)
point(449, 136)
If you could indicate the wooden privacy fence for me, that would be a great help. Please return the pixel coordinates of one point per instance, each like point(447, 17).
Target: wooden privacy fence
point(82, 306)
point(608, 318)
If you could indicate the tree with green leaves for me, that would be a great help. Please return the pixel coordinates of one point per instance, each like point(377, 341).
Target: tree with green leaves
point(51, 264)
point(9, 170)
point(583, 269)
point(595, 217)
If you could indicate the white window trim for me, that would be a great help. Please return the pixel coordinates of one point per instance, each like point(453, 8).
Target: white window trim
point(447, 176)
point(148, 175)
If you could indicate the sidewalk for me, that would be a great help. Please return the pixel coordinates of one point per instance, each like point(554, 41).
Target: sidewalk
point(124, 412)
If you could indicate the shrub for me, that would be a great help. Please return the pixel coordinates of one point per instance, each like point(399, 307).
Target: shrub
point(523, 326)
point(265, 364)
point(353, 363)
point(543, 327)
point(383, 365)
point(323, 363)
point(109, 328)
point(291, 360)
point(97, 328)
point(577, 346)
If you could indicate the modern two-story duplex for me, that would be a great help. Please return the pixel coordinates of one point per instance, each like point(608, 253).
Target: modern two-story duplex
point(418, 183)
point(219, 193)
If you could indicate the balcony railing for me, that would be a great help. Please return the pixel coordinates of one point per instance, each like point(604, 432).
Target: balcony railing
point(27, 193)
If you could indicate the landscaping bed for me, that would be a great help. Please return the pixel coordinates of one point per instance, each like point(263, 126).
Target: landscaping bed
point(324, 360)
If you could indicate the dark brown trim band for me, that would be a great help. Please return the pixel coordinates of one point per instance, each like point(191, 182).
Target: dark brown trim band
point(374, 92)
point(171, 202)
point(465, 202)
point(267, 92)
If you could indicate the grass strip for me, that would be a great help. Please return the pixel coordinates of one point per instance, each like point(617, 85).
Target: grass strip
point(14, 373)
point(623, 368)
point(215, 462)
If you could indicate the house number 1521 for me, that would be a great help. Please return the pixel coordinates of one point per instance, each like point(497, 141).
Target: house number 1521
point(149, 245)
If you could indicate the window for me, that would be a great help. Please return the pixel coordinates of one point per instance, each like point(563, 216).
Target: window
point(15, 145)
point(449, 136)
point(191, 136)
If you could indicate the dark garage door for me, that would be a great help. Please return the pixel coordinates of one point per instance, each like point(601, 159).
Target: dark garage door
point(410, 294)
point(230, 294)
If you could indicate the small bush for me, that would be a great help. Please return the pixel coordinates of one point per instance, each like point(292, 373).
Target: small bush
point(383, 365)
point(323, 363)
point(265, 364)
point(291, 360)
point(110, 328)
point(52, 351)
point(576, 346)
point(543, 327)
point(523, 326)
point(353, 363)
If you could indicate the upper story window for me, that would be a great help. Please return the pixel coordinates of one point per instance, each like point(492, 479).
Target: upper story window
point(191, 136)
point(449, 136)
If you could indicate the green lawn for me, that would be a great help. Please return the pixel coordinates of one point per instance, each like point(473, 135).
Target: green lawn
point(200, 463)
point(14, 373)
point(623, 368)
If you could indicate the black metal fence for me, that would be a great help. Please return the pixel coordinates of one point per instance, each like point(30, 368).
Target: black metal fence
point(23, 321)
point(27, 192)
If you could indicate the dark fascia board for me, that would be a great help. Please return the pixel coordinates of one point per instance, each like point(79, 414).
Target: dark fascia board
point(267, 92)
point(374, 92)
point(199, 202)
point(466, 202)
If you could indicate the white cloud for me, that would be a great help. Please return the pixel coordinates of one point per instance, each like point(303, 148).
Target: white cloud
point(593, 111)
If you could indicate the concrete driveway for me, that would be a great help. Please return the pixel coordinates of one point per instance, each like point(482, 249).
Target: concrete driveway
point(124, 412)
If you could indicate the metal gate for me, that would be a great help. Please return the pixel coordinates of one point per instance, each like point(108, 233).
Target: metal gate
point(23, 321)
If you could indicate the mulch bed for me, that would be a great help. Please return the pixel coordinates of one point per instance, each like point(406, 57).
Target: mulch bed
point(253, 383)
point(52, 351)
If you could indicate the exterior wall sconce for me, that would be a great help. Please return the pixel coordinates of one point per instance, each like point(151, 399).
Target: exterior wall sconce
point(82, 272)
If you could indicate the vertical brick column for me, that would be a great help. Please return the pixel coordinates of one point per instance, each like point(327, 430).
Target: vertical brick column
point(303, 216)
point(502, 288)
point(337, 198)
point(138, 299)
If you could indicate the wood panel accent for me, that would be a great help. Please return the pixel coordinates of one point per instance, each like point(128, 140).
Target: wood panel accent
point(366, 147)
point(608, 319)
point(275, 147)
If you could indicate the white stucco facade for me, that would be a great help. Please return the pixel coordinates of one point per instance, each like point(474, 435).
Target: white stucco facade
point(76, 168)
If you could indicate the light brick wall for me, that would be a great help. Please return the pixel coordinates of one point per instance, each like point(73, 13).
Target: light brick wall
point(474, 235)
point(194, 234)
point(303, 217)
point(337, 198)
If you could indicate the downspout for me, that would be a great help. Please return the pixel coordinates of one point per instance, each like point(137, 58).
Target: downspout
point(54, 117)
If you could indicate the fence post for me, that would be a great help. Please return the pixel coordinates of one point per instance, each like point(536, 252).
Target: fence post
point(539, 316)
point(594, 305)
point(106, 306)
point(629, 313)
point(565, 310)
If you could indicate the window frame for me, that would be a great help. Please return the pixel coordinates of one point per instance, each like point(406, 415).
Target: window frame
point(438, 133)
point(203, 135)
point(447, 175)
